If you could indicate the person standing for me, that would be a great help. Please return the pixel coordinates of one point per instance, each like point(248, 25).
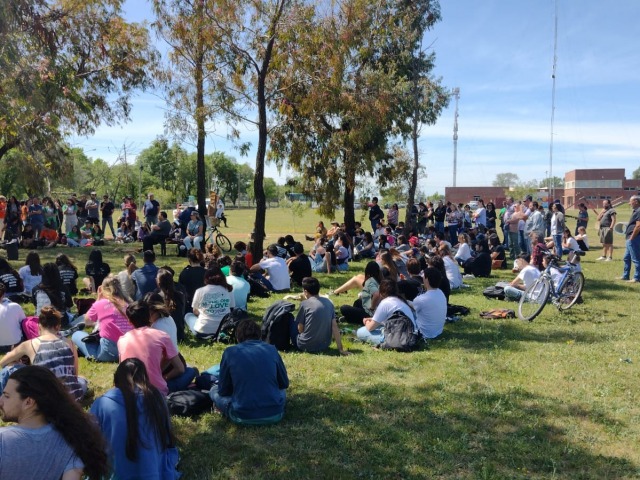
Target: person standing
point(557, 227)
point(54, 438)
point(36, 216)
point(151, 208)
point(583, 217)
point(107, 207)
point(92, 206)
point(220, 211)
point(607, 218)
point(375, 213)
point(632, 236)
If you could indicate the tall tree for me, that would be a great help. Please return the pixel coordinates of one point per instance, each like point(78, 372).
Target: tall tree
point(344, 91)
point(188, 77)
point(66, 66)
point(250, 46)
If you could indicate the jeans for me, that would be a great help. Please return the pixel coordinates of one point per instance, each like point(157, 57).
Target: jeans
point(109, 221)
point(505, 233)
point(182, 381)
point(72, 243)
point(514, 245)
point(512, 293)
point(196, 242)
point(104, 351)
point(439, 226)
point(453, 234)
point(524, 245)
point(557, 242)
point(375, 337)
point(632, 254)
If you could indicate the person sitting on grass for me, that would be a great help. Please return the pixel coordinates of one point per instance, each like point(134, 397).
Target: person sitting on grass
point(277, 276)
point(431, 306)
point(48, 237)
point(54, 437)
point(135, 420)
point(155, 349)
point(315, 323)
point(299, 265)
point(527, 274)
point(390, 303)
point(252, 380)
point(96, 271)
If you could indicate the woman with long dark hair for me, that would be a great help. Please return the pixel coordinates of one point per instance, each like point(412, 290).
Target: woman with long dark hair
point(51, 291)
point(31, 273)
point(174, 299)
point(390, 302)
point(66, 439)
point(192, 277)
point(68, 273)
point(365, 305)
point(135, 411)
point(12, 217)
point(210, 303)
point(96, 269)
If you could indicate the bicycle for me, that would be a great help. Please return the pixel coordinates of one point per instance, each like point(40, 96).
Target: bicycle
point(221, 239)
point(563, 291)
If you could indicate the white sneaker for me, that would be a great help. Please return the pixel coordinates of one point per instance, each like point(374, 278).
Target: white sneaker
point(608, 259)
point(601, 258)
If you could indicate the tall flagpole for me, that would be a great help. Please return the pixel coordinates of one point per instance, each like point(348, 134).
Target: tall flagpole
point(553, 100)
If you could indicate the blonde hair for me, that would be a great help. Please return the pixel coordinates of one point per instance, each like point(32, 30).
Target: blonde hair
point(112, 291)
point(130, 263)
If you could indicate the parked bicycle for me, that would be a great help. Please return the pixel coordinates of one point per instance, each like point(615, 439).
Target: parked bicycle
point(220, 238)
point(560, 283)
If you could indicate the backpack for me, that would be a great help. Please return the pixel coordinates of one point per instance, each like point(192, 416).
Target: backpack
point(400, 333)
point(227, 329)
point(453, 310)
point(257, 288)
point(494, 292)
point(189, 403)
point(276, 325)
point(498, 313)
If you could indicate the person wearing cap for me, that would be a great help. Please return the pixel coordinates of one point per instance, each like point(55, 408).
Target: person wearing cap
point(159, 232)
point(150, 210)
point(86, 233)
point(194, 231)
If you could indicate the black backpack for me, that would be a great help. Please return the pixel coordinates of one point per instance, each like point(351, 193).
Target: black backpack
point(400, 333)
point(494, 292)
point(276, 325)
point(189, 402)
point(227, 329)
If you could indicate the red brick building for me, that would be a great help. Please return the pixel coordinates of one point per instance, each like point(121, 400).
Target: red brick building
point(597, 185)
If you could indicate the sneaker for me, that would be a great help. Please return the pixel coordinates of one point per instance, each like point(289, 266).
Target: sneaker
point(468, 276)
point(633, 280)
point(601, 258)
point(72, 330)
point(624, 279)
point(608, 259)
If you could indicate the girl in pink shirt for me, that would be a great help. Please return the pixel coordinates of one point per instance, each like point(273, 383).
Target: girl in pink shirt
point(108, 317)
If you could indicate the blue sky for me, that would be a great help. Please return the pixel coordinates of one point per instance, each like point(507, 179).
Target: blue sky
point(500, 54)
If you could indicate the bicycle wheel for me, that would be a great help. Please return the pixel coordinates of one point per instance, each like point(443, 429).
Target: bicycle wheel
point(570, 292)
point(534, 299)
point(223, 242)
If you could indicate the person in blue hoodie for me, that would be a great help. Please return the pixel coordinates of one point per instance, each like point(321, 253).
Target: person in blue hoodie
point(252, 380)
point(135, 421)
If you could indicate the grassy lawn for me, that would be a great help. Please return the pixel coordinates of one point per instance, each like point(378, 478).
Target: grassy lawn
point(491, 399)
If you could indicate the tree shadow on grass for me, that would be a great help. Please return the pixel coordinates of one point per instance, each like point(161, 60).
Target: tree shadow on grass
point(505, 334)
point(386, 431)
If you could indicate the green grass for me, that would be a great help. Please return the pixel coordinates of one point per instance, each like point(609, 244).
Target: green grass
point(490, 399)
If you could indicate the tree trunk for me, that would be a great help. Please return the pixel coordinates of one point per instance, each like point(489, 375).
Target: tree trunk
point(200, 125)
point(349, 193)
point(408, 218)
point(258, 178)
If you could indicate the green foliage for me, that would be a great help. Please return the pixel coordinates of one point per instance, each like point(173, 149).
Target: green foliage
point(522, 189)
point(556, 182)
point(506, 180)
point(65, 67)
point(636, 174)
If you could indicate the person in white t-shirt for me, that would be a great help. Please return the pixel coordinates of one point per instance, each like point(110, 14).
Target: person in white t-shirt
point(210, 303)
point(480, 216)
point(431, 306)
point(11, 316)
point(526, 276)
point(277, 277)
point(373, 330)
